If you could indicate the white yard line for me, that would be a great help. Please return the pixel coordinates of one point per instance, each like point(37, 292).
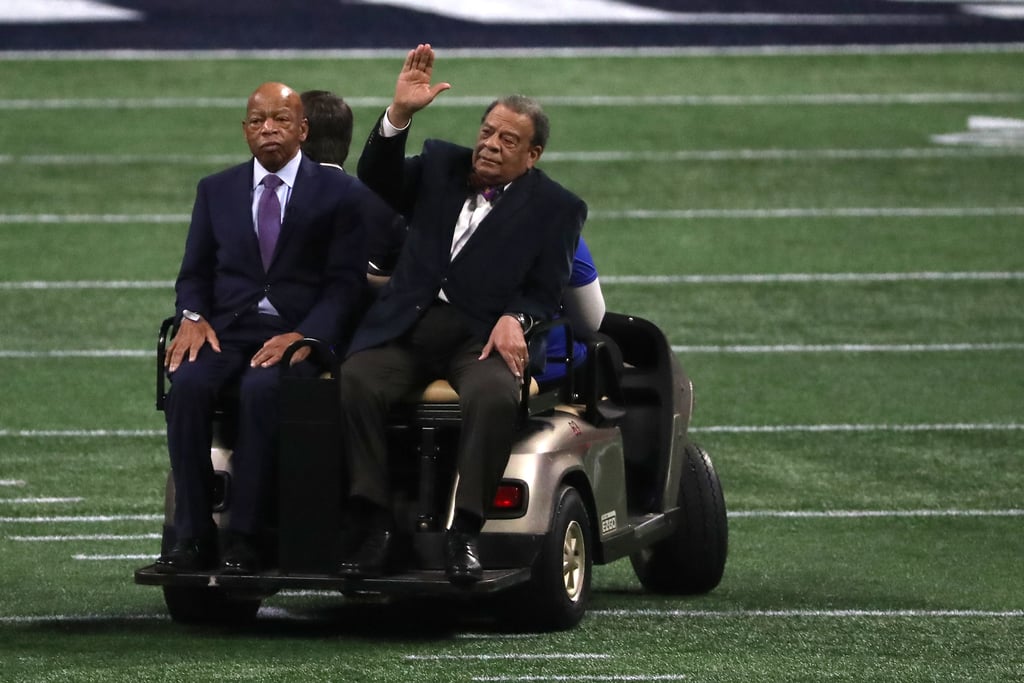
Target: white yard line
point(454, 101)
point(720, 429)
point(770, 278)
point(739, 278)
point(96, 353)
point(838, 212)
point(677, 348)
point(826, 428)
point(505, 657)
point(38, 501)
point(842, 348)
point(858, 514)
point(627, 214)
point(517, 52)
point(596, 156)
point(768, 514)
point(82, 433)
point(114, 558)
point(84, 537)
point(813, 613)
point(71, 519)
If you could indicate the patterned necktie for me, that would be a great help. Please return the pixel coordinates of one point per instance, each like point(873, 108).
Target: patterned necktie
point(492, 192)
point(268, 218)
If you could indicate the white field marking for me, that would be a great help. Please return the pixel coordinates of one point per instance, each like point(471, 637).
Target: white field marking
point(39, 501)
point(81, 618)
point(813, 613)
point(764, 278)
point(808, 99)
point(62, 519)
point(721, 429)
point(84, 537)
point(97, 353)
point(107, 558)
point(87, 284)
point(826, 428)
point(12, 482)
point(749, 278)
point(584, 677)
point(677, 348)
point(781, 154)
point(857, 514)
point(518, 52)
point(627, 214)
point(505, 657)
point(598, 156)
point(838, 212)
point(102, 218)
point(81, 433)
point(847, 348)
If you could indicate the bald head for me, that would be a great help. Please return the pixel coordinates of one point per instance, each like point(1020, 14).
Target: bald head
point(274, 125)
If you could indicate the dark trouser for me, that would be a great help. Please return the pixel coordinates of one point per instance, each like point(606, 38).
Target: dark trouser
point(438, 346)
point(189, 410)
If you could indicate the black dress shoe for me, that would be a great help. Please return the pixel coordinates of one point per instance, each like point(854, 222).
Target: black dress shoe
point(462, 558)
point(241, 555)
point(188, 555)
point(371, 557)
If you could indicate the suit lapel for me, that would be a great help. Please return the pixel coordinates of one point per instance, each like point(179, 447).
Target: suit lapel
point(244, 217)
point(500, 218)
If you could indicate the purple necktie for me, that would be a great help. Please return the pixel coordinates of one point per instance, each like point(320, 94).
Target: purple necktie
point(492, 192)
point(268, 218)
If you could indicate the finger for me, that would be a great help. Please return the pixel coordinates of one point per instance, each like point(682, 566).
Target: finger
point(488, 347)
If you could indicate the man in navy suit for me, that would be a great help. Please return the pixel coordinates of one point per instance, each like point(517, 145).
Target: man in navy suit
point(488, 252)
point(276, 251)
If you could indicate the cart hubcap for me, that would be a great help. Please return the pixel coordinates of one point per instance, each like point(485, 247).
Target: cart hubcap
point(574, 560)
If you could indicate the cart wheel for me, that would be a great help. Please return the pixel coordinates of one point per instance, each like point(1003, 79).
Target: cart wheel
point(203, 605)
point(692, 559)
point(557, 594)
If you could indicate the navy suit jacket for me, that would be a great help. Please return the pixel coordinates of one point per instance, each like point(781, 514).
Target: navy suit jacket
point(518, 259)
point(318, 272)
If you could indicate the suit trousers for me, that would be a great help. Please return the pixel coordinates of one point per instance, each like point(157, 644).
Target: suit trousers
point(196, 389)
point(438, 346)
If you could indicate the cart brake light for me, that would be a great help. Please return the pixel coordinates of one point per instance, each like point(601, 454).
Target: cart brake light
point(509, 497)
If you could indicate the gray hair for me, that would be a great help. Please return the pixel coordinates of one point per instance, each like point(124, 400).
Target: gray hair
point(521, 104)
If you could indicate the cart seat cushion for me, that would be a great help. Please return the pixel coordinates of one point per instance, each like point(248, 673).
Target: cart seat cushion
point(440, 391)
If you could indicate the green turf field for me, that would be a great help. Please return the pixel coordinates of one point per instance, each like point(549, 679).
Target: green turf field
point(846, 293)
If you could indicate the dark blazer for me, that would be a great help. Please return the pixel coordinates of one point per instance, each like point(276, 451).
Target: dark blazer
point(518, 260)
point(318, 273)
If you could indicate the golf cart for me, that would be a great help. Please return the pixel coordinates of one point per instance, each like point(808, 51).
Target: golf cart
point(602, 469)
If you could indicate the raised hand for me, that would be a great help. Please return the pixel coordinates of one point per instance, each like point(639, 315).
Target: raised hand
point(413, 91)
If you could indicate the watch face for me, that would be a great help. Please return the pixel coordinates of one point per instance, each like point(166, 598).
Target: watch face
point(191, 315)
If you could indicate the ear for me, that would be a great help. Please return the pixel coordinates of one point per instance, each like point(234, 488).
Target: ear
point(534, 155)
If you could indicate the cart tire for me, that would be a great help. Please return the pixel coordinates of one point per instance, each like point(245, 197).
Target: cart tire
point(203, 605)
point(556, 596)
point(692, 559)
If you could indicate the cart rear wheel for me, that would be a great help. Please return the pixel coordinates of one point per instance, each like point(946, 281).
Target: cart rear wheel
point(557, 594)
point(692, 559)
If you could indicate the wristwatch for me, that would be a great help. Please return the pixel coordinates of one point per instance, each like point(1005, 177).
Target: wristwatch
point(525, 321)
point(191, 315)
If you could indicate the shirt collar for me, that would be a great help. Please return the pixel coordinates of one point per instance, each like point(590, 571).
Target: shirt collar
point(287, 173)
